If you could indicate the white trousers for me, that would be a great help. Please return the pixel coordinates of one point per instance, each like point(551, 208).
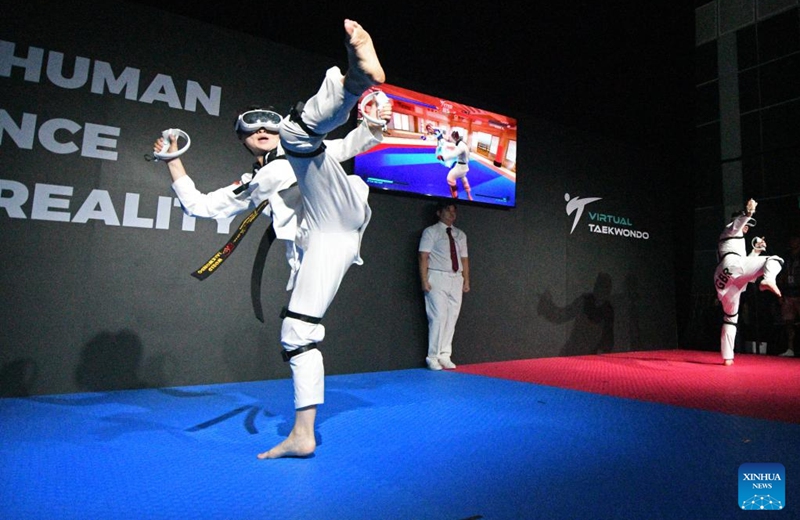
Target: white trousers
point(458, 171)
point(442, 305)
point(336, 212)
point(730, 279)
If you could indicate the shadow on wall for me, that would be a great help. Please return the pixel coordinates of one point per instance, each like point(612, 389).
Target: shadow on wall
point(18, 378)
point(593, 317)
point(627, 306)
point(111, 361)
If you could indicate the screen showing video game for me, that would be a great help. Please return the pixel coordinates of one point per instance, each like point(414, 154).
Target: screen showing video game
point(435, 147)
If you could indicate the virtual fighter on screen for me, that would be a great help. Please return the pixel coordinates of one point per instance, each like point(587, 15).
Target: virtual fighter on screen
point(454, 153)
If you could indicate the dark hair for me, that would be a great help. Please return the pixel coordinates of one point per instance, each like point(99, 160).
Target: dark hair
point(445, 203)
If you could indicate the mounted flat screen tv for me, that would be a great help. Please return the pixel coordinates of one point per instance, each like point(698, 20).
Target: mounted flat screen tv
point(418, 154)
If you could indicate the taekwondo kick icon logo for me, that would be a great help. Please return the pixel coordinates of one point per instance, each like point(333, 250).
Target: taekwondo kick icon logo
point(602, 223)
point(576, 205)
point(762, 486)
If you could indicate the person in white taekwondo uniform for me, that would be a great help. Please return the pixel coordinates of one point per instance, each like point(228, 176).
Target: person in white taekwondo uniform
point(457, 151)
point(329, 211)
point(444, 273)
point(736, 269)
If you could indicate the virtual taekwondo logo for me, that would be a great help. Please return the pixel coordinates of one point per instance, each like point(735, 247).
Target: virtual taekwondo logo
point(762, 486)
point(601, 223)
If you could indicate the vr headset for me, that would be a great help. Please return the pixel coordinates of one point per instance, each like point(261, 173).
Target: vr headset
point(252, 120)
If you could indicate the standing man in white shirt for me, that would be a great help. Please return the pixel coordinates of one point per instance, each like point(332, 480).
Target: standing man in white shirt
point(444, 272)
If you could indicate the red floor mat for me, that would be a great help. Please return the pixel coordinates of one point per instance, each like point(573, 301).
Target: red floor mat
point(765, 387)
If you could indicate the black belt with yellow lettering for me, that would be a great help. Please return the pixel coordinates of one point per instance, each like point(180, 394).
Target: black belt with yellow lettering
point(225, 251)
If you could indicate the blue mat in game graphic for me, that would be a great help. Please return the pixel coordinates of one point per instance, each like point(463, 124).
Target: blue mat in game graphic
point(416, 170)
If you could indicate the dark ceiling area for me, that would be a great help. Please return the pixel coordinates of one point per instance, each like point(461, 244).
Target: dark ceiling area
point(619, 66)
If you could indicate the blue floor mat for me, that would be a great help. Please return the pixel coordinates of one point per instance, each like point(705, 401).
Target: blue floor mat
point(408, 444)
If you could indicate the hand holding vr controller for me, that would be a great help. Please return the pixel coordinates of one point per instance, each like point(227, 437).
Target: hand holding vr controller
point(377, 113)
point(166, 147)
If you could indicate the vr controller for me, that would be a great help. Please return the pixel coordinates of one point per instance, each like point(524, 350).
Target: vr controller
point(169, 135)
point(381, 99)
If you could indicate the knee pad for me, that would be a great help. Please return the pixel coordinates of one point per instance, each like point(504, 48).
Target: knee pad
point(286, 313)
point(296, 116)
point(731, 319)
point(289, 354)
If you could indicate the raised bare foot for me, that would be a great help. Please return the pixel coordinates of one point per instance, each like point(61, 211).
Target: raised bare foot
point(364, 69)
point(292, 446)
point(728, 362)
point(770, 286)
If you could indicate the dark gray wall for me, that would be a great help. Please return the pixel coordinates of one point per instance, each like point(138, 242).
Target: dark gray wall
point(99, 306)
point(746, 145)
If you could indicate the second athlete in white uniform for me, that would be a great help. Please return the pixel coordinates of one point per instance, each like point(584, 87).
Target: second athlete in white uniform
point(736, 269)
